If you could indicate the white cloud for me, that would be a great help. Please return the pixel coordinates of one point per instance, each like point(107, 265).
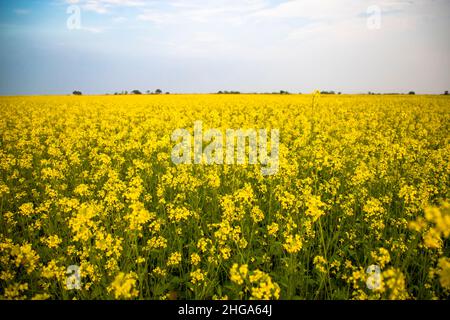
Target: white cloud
point(120, 19)
point(215, 11)
point(92, 29)
point(330, 9)
point(105, 6)
point(95, 6)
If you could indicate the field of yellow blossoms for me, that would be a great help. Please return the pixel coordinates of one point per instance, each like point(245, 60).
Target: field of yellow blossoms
point(92, 207)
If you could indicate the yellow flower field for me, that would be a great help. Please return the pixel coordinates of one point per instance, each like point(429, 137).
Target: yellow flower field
point(92, 206)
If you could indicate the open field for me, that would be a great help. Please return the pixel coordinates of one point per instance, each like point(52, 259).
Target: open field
point(87, 185)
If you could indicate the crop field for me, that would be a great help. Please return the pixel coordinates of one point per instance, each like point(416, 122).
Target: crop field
point(92, 205)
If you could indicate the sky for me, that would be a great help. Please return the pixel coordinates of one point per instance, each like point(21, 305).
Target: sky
point(199, 46)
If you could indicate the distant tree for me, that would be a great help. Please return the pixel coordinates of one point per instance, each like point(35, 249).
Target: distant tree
point(411, 93)
point(284, 92)
point(167, 92)
point(229, 92)
point(125, 92)
point(339, 93)
point(148, 92)
point(136, 92)
point(446, 93)
point(77, 93)
point(158, 91)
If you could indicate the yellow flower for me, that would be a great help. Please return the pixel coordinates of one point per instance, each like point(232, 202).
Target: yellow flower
point(257, 215)
point(52, 242)
point(140, 260)
point(14, 291)
point(174, 259)
point(394, 281)
point(25, 256)
point(432, 239)
point(273, 228)
point(197, 276)
point(320, 263)
point(41, 296)
point(157, 243)
point(314, 207)
point(178, 214)
point(263, 288)
point(225, 253)
point(238, 273)
point(435, 226)
point(293, 244)
point(381, 257)
point(213, 180)
point(160, 272)
point(52, 270)
point(3, 189)
point(123, 286)
point(82, 190)
point(26, 209)
point(195, 259)
point(444, 272)
point(138, 216)
point(261, 285)
point(82, 224)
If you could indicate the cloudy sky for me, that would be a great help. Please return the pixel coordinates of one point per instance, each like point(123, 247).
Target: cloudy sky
point(206, 46)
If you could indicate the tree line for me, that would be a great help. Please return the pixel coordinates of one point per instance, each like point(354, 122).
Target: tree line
point(159, 91)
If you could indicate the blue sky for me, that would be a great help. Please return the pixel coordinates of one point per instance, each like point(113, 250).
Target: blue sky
point(206, 46)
